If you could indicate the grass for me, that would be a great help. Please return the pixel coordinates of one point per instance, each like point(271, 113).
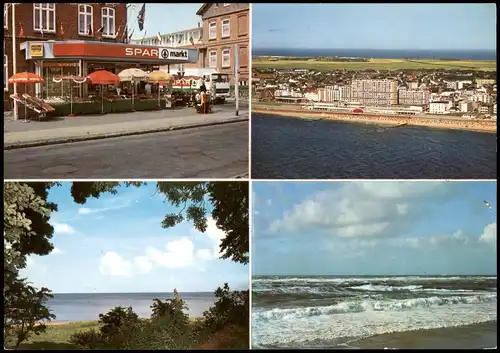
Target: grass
point(374, 64)
point(57, 335)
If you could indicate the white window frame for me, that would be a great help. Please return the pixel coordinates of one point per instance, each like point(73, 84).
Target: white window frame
point(6, 72)
point(210, 55)
point(85, 7)
point(212, 30)
point(108, 14)
point(226, 52)
point(225, 22)
point(38, 8)
point(5, 16)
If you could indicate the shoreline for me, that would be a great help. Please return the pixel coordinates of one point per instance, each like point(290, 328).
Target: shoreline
point(474, 336)
point(451, 124)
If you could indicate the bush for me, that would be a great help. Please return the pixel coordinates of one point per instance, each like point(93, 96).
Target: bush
point(231, 309)
point(91, 339)
point(117, 318)
point(172, 310)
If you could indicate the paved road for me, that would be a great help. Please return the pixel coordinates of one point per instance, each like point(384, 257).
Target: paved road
point(209, 152)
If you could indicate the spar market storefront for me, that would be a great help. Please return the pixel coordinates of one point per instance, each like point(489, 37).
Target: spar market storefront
point(80, 58)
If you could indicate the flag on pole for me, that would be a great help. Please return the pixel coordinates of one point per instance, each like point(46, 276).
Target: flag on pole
point(141, 17)
point(101, 29)
point(21, 30)
point(158, 37)
point(61, 30)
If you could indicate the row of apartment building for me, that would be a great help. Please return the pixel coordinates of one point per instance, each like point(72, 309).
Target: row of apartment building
point(374, 93)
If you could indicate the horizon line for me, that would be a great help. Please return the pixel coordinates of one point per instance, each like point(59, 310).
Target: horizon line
point(180, 292)
point(387, 275)
point(319, 48)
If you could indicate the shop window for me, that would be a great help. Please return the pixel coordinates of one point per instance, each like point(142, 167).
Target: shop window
point(212, 30)
point(65, 88)
point(85, 17)
point(5, 72)
point(108, 21)
point(226, 31)
point(44, 17)
point(212, 59)
point(5, 16)
point(226, 58)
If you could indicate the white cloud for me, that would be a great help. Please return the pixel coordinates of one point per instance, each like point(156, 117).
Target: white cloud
point(180, 253)
point(87, 211)
point(489, 234)
point(56, 251)
point(63, 228)
point(269, 202)
point(366, 209)
point(112, 264)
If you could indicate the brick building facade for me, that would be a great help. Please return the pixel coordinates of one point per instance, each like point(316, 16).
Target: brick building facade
point(223, 26)
point(57, 22)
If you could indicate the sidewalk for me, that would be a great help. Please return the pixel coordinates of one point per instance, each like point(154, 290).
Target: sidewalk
point(18, 134)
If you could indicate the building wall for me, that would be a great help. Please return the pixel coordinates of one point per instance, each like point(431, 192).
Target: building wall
point(65, 14)
point(413, 97)
point(238, 15)
point(375, 92)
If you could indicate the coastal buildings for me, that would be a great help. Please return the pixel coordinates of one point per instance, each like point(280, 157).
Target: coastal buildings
point(375, 92)
point(440, 107)
point(413, 97)
point(225, 25)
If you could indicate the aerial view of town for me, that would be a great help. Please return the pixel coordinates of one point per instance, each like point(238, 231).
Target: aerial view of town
point(411, 89)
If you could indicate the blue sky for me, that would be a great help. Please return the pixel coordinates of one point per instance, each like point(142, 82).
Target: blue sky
point(374, 26)
point(373, 228)
point(163, 18)
point(115, 244)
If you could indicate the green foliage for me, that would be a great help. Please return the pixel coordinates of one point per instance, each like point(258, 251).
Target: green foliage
point(171, 311)
point(90, 339)
point(116, 318)
point(230, 211)
point(27, 231)
point(230, 309)
point(24, 311)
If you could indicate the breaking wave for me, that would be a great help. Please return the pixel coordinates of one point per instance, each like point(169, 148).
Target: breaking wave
point(370, 305)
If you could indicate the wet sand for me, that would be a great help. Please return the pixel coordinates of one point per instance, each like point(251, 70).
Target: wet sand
point(444, 123)
point(475, 336)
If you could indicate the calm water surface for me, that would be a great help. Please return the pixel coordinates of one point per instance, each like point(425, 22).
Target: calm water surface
point(88, 306)
point(292, 148)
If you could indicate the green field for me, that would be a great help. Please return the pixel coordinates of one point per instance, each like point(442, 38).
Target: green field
point(374, 64)
point(57, 336)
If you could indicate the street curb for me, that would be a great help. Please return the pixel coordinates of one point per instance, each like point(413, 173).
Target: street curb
point(59, 141)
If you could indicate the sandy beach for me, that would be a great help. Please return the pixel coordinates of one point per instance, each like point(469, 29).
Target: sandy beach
point(444, 123)
point(475, 336)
